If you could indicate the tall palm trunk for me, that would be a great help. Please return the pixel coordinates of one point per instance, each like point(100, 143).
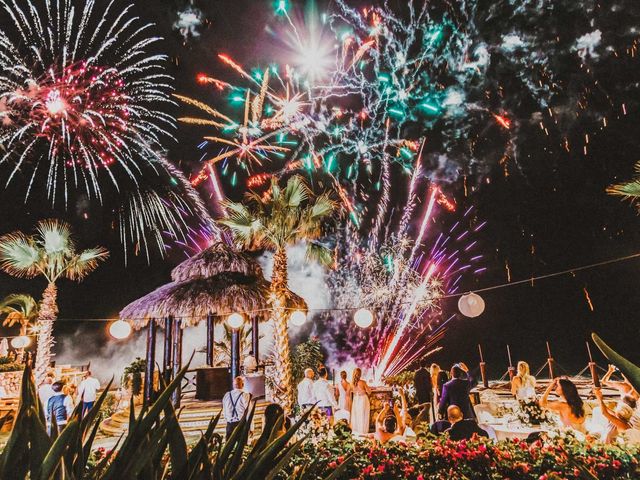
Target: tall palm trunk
point(48, 314)
point(283, 374)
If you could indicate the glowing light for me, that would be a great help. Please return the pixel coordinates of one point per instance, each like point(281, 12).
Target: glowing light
point(471, 305)
point(54, 103)
point(20, 342)
point(298, 318)
point(120, 329)
point(235, 320)
point(363, 318)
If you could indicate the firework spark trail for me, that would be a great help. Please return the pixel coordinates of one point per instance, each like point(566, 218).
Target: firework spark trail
point(404, 323)
point(424, 223)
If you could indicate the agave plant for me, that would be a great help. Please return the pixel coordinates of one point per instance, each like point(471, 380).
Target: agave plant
point(154, 447)
point(281, 218)
point(52, 253)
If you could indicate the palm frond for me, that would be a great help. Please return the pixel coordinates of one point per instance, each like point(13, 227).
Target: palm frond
point(242, 222)
point(85, 262)
point(19, 308)
point(19, 255)
point(55, 237)
point(629, 190)
point(295, 193)
point(320, 253)
point(322, 207)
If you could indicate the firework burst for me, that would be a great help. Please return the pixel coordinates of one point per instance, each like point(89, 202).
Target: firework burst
point(80, 95)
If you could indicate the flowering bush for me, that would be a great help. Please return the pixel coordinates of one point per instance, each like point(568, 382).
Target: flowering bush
point(440, 458)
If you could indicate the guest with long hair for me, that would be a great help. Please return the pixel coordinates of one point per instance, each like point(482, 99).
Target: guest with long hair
point(523, 385)
point(360, 406)
point(570, 406)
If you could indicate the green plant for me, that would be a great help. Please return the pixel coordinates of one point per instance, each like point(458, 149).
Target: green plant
point(306, 355)
point(51, 253)
point(154, 447)
point(8, 364)
point(132, 375)
point(402, 379)
point(273, 221)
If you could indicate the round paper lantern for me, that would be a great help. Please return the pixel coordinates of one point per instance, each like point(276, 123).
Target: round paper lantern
point(120, 329)
point(363, 318)
point(235, 320)
point(471, 305)
point(298, 318)
point(20, 342)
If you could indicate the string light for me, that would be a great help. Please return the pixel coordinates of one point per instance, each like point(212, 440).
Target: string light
point(235, 320)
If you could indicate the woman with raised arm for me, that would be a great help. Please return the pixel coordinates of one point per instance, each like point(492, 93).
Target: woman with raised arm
point(570, 406)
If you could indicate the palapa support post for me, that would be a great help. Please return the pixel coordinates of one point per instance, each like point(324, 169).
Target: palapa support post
point(512, 370)
point(483, 369)
point(255, 338)
point(550, 362)
point(210, 339)
point(167, 358)
point(177, 359)
point(592, 369)
point(151, 361)
point(235, 354)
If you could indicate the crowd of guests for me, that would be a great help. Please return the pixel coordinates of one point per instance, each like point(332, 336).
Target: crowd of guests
point(59, 398)
point(442, 404)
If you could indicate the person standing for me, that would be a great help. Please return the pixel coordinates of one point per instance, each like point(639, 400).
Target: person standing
point(456, 391)
point(234, 404)
point(45, 392)
point(360, 406)
point(59, 406)
point(324, 394)
point(422, 383)
point(88, 392)
point(306, 398)
point(344, 393)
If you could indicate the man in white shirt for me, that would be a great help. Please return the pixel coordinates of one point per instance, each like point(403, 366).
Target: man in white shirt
point(306, 398)
point(88, 391)
point(324, 394)
point(45, 392)
point(234, 404)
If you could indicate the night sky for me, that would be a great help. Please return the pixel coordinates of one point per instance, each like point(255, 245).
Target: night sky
point(550, 213)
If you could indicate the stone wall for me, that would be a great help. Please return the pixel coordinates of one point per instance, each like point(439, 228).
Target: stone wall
point(10, 382)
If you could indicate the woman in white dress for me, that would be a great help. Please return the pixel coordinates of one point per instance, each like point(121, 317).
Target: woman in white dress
point(523, 385)
point(344, 392)
point(360, 405)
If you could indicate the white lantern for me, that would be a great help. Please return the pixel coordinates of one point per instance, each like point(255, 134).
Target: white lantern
point(120, 329)
point(471, 305)
point(298, 318)
point(363, 318)
point(20, 342)
point(235, 320)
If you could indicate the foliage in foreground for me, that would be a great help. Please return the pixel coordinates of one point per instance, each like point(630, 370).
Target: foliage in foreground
point(154, 447)
point(479, 459)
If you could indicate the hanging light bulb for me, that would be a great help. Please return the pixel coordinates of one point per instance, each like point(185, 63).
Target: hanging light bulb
point(120, 329)
point(235, 320)
point(363, 318)
point(298, 318)
point(20, 342)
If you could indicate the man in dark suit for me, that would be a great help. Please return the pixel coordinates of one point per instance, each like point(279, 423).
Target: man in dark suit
point(422, 382)
point(461, 428)
point(456, 391)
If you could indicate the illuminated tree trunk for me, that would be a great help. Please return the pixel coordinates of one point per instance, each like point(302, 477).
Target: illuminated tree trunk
point(48, 314)
point(283, 376)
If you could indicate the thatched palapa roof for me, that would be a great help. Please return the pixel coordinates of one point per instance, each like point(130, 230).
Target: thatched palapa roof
point(218, 258)
point(216, 281)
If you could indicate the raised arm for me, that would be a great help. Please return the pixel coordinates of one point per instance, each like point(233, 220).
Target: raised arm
point(608, 414)
point(516, 383)
point(399, 419)
point(381, 415)
point(544, 400)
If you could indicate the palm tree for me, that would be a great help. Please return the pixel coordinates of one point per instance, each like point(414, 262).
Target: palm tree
point(629, 190)
point(52, 253)
point(280, 218)
point(20, 309)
